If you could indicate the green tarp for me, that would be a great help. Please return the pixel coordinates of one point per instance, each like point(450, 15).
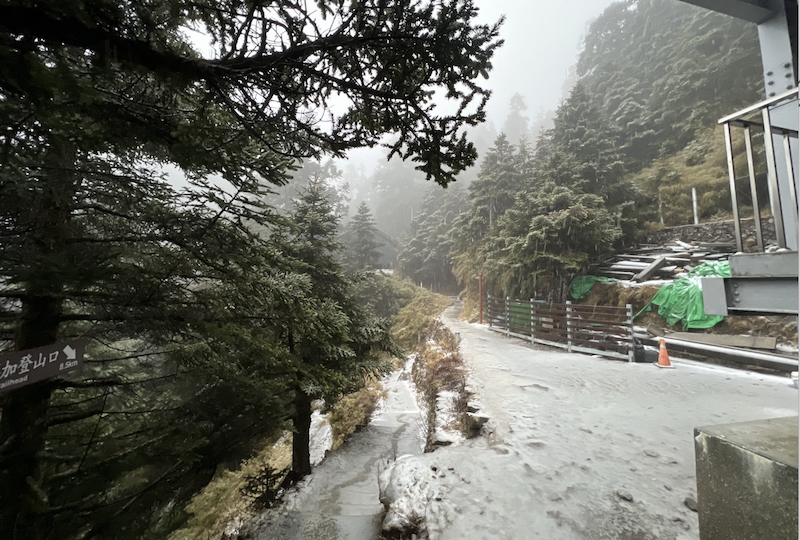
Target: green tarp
point(519, 316)
point(581, 286)
point(682, 300)
point(679, 301)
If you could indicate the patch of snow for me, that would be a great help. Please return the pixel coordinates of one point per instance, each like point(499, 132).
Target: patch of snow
point(446, 430)
point(443, 437)
point(415, 497)
point(233, 527)
point(321, 437)
point(479, 417)
point(651, 283)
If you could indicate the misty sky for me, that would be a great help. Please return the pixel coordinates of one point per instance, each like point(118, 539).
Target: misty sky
point(542, 40)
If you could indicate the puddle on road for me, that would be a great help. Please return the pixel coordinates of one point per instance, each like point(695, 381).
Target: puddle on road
point(339, 501)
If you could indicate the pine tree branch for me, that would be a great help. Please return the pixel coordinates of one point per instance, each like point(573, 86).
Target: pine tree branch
point(108, 383)
point(68, 418)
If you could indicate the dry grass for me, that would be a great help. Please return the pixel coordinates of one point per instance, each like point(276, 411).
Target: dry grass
point(782, 327)
point(354, 411)
point(411, 323)
point(442, 361)
point(701, 165)
point(229, 496)
point(439, 367)
point(614, 294)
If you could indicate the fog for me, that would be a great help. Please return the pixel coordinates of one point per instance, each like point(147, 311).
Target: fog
point(542, 41)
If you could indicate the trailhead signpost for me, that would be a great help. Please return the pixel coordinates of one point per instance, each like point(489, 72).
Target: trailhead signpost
point(20, 368)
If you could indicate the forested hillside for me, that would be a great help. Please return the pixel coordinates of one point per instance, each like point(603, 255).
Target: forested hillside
point(635, 134)
point(215, 310)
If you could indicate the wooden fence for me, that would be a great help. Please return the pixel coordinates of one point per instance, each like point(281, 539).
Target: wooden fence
point(605, 330)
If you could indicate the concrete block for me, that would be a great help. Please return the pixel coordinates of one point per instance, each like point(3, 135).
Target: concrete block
point(747, 480)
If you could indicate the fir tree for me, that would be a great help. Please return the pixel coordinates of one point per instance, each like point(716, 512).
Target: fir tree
point(494, 191)
point(425, 257)
point(516, 125)
point(334, 340)
point(545, 239)
point(173, 290)
point(184, 304)
point(362, 252)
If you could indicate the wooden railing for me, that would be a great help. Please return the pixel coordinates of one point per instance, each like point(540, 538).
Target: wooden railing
point(604, 330)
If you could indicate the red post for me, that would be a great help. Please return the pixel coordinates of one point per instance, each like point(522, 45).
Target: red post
point(480, 298)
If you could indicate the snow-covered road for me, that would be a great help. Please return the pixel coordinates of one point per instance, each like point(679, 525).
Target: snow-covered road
point(574, 437)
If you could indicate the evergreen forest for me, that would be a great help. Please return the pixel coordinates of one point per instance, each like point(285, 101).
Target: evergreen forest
point(627, 144)
point(187, 212)
point(174, 206)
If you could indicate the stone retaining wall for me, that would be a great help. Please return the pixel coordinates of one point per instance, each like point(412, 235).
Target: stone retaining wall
point(715, 231)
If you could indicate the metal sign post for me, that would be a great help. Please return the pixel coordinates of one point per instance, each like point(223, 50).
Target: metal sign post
point(21, 368)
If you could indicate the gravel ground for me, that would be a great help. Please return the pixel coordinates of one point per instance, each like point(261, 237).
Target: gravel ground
point(578, 447)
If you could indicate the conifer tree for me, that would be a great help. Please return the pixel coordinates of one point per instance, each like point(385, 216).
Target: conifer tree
point(362, 252)
point(335, 341)
point(95, 98)
point(492, 193)
point(584, 135)
point(546, 238)
point(176, 295)
point(516, 124)
point(425, 257)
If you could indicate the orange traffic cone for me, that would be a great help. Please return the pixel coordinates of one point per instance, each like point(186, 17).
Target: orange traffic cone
point(663, 356)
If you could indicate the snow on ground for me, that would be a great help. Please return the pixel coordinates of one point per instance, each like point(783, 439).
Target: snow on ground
point(577, 447)
point(446, 430)
point(320, 437)
point(339, 500)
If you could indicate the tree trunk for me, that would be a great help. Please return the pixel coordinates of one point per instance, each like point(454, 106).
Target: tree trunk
point(23, 429)
point(23, 426)
point(301, 451)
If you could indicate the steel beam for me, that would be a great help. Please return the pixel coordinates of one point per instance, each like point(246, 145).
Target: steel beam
point(751, 296)
point(754, 11)
point(787, 150)
point(777, 296)
point(760, 284)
